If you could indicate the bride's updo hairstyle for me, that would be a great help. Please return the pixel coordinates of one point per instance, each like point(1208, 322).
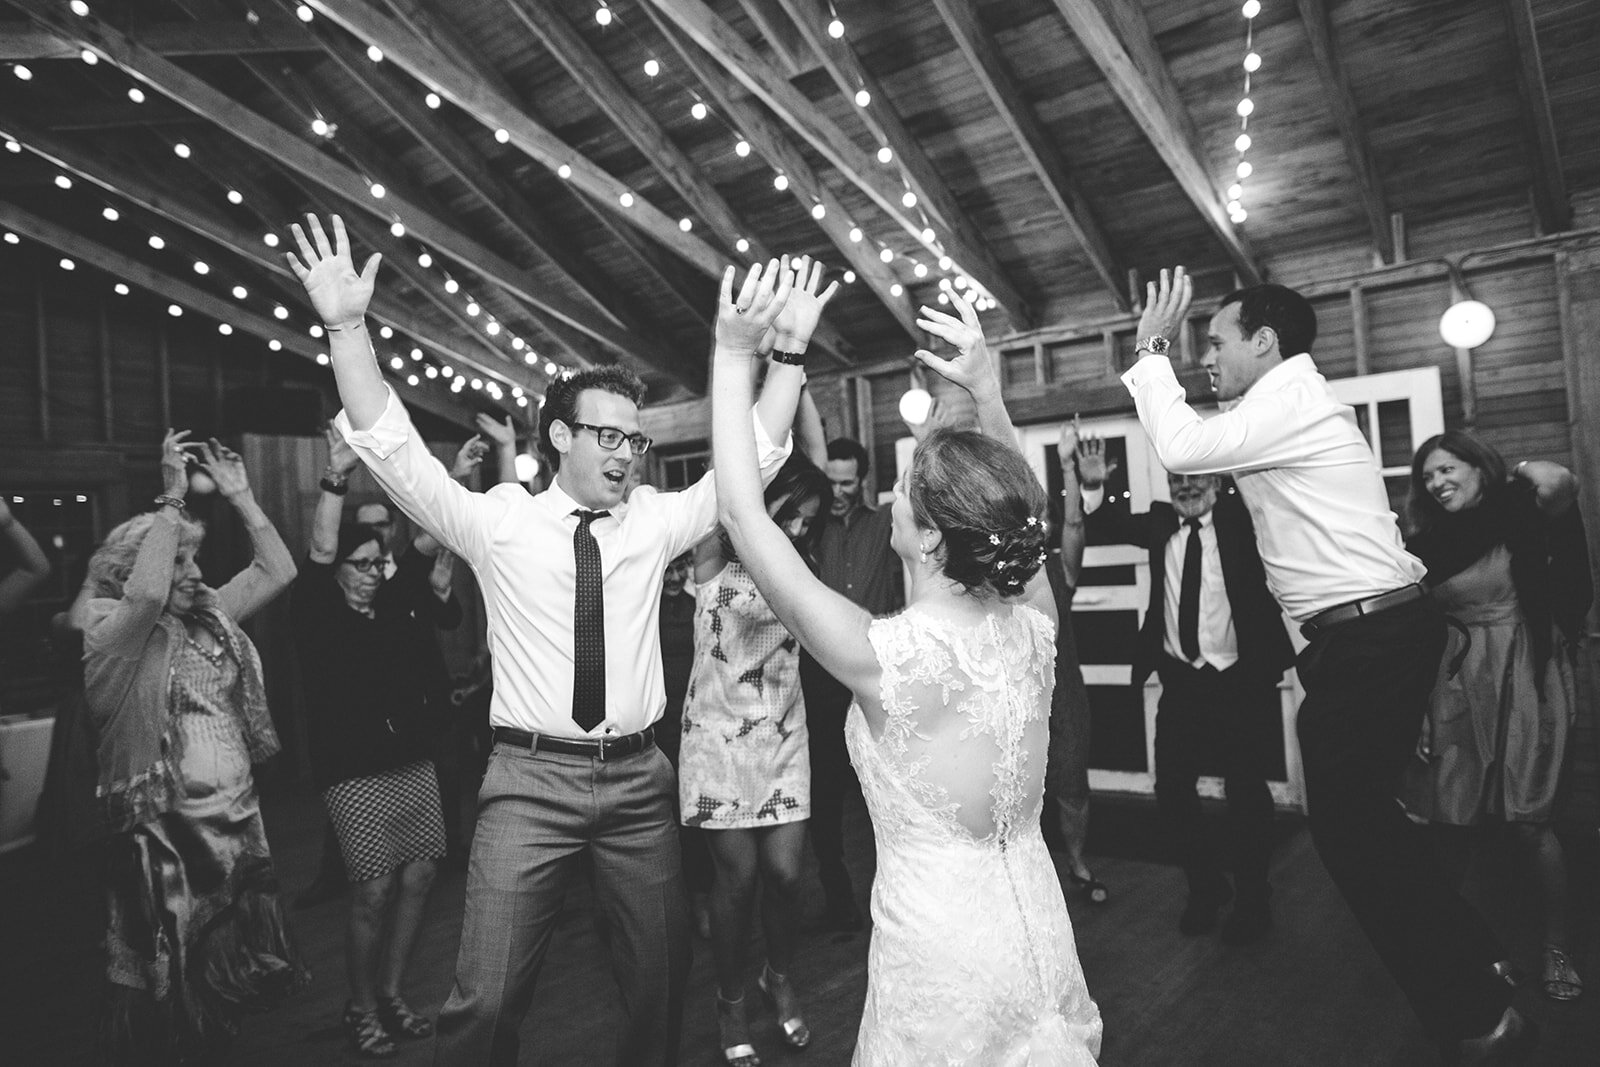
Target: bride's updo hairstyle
point(985, 500)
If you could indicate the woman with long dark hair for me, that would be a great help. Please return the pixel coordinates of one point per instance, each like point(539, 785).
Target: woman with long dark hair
point(175, 694)
point(1506, 558)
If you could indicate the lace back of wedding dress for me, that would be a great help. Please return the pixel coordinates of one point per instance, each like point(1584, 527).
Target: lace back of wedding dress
point(967, 716)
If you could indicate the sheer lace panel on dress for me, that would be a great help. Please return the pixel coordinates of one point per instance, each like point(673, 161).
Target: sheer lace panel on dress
point(967, 715)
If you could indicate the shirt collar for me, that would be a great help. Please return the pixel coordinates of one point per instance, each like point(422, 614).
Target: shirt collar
point(556, 499)
point(1283, 375)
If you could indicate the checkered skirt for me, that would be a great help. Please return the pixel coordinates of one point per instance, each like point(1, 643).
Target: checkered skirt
point(387, 820)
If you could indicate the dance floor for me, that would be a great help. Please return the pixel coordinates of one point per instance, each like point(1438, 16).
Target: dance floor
point(1313, 993)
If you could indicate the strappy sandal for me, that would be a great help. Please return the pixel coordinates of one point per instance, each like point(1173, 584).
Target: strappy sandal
point(795, 1030)
point(1561, 981)
point(1093, 890)
point(367, 1033)
point(736, 1050)
point(398, 1018)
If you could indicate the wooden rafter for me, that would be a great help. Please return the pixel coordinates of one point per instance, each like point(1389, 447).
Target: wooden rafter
point(738, 58)
point(290, 150)
point(1549, 183)
point(157, 198)
point(1342, 106)
point(1126, 53)
point(498, 111)
point(568, 48)
point(73, 244)
point(961, 18)
point(850, 74)
point(779, 35)
point(21, 40)
point(768, 139)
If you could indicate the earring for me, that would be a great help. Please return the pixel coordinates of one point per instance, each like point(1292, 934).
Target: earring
point(924, 553)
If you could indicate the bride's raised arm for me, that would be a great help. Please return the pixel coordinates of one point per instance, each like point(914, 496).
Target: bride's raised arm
point(830, 627)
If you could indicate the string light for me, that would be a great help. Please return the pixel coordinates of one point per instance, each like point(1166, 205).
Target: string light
point(887, 255)
point(181, 150)
point(240, 292)
point(412, 379)
point(224, 329)
point(67, 264)
point(280, 312)
point(835, 29)
point(472, 308)
point(416, 355)
point(885, 155)
point(276, 345)
point(603, 17)
point(849, 277)
point(12, 239)
point(156, 242)
point(699, 110)
point(651, 68)
point(397, 363)
point(322, 357)
point(503, 136)
point(1244, 109)
point(235, 197)
point(22, 73)
point(424, 260)
point(174, 310)
point(378, 190)
point(319, 126)
point(909, 199)
point(818, 211)
point(863, 98)
point(315, 331)
point(89, 56)
point(121, 289)
point(202, 267)
point(397, 228)
point(451, 286)
point(685, 224)
point(742, 245)
point(136, 94)
point(781, 182)
point(741, 149)
point(493, 328)
point(896, 289)
point(304, 13)
point(79, 8)
point(12, 146)
point(626, 199)
point(110, 214)
point(63, 182)
point(432, 100)
point(855, 235)
point(374, 53)
point(271, 240)
point(386, 332)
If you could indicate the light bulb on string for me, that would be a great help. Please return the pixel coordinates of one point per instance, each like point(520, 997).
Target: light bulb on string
point(928, 235)
point(424, 260)
point(502, 135)
point(386, 332)
point(378, 190)
point(493, 329)
point(156, 242)
point(1252, 62)
point(626, 199)
point(531, 358)
point(136, 94)
point(563, 171)
point(818, 211)
point(651, 67)
point(741, 148)
point(397, 363)
point(121, 289)
point(472, 308)
point(23, 73)
point(67, 264)
point(603, 17)
point(12, 239)
point(1245, 107)
point(849, 277)
point(397, 228)
point(432, 100)
point(1251, 9)
point(110, 214)
point(89, 56)
point(518, 343)
point(319, 126)
point(887, 255)
point(202, 267)
point(835, 29)
point(224, 329)
point(780, 182)
point(315, 330)
point(412, 379)
point(885, 154)
point(1242, 143)
point(240, 292)
point(896, 289)
point(374, 53)
point(909, 199)
point(304, 13)
point(430, 372)
point(416, 354)
point(280, 312)
point(1244, 169)
point(181, 150)
point(945, 262)
point(855, 234)
point(451, 286)
point(698, 110)
point(270, 239)
point(12, 146)
point(920, 270)
point(685, 224)
point(863, 98)
point(235, 197)
point(174, 310)
point(79, 8)
point(276, 345)
point(1235, 191)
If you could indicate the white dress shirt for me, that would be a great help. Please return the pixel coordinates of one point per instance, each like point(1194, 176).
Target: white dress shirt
point(1219, 645)
point(1309, 478)
point(520, 548)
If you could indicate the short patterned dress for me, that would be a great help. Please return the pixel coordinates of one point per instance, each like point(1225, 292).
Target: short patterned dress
point(744, 761)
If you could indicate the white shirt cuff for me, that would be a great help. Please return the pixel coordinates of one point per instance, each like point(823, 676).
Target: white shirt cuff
point(1148, 368)
point(768, 453)
point(392, 429)
point(1092, 498)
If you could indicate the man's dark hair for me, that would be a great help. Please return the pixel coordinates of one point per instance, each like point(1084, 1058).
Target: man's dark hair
point(561, 400)
point(1290, 315)
point(849, 448)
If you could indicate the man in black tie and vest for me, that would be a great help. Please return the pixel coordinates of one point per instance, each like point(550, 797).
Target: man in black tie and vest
point(1214, 636)
point(571, 582)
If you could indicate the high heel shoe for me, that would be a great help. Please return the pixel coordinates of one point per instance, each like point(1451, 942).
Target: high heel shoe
point(1093, 890)
point(733, 1034)
point(795, 1030)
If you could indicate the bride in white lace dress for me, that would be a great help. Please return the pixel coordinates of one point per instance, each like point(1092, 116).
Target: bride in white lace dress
point(972, 958)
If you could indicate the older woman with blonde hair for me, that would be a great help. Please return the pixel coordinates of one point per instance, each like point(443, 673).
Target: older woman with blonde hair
point(175, 695)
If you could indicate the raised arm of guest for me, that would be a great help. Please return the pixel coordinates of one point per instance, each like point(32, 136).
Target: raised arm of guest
point(809, 436)
point(272, 567)
point(504, 437)
point(974, 371)
point(468, 457)
point(32, 567)
point(832, 629)
point(972, 368)
point(1554, 486)
point(325, 519)
point(800, 311)
point(1072, 516)
point(373, 420)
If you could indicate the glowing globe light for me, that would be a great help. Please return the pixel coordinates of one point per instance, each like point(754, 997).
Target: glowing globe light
point(915, 406)
point(1468, 324)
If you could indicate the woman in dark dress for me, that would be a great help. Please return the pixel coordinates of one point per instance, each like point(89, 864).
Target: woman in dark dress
point(1506, 558)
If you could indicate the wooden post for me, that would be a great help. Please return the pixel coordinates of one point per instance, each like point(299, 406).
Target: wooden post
point(1358, 327)
point(1465, 369)
point(164, 375)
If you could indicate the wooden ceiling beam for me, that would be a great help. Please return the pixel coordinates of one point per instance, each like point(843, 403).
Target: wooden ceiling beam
point(961, 18)
point(768, 139)
point(849, 74)
point(288, 149)
point(21, 40)
point(135, 272)
point(1549, 183)
point(738, 58)
point(155, 197)
point(780, 35)
point(497, 110)
point(1119, 41)
point(568, 48)
point(1342, 106)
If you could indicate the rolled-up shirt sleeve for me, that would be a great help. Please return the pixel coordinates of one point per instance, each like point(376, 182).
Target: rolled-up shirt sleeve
point(1259, 432)
point(398, 457)
point(692, 514)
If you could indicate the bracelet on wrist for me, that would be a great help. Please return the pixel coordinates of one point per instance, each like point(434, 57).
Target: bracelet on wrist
point(165, 500)
point(792, 359)
point(356, 325)
point(337, 488)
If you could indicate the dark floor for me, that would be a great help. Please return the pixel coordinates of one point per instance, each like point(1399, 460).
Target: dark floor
point(1312, 994)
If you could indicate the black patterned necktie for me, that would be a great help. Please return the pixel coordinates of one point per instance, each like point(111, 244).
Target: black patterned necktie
point(588, 626)
point(1189, 596)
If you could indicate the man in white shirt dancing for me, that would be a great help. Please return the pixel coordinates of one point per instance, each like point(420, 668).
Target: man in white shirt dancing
point(571, 583)
point(1335, 560)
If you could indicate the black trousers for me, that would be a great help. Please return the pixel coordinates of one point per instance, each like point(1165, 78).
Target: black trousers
point(1221, 722)
point(832, 777)
point(1367, 683)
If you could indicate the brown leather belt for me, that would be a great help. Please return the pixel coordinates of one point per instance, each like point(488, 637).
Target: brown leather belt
point(600, 748)
point(1355, 609)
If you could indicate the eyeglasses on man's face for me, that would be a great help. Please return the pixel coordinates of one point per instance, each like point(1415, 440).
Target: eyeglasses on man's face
point(611, 438)
point(365, 566)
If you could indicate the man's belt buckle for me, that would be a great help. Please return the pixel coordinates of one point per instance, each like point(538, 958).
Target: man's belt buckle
point(600, 748)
